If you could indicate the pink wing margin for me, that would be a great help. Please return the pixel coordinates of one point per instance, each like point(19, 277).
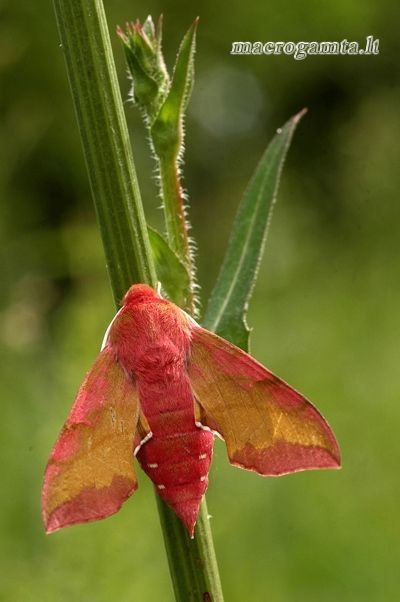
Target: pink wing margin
point(90, 471)
point(268, 427)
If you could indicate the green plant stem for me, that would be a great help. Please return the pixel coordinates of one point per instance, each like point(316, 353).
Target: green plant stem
point(198, 569)
point(174, 211)
point(91, 71)
point(104, 134)
point(175, 220)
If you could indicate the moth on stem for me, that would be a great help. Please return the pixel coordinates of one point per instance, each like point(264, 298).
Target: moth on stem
point(99, 109)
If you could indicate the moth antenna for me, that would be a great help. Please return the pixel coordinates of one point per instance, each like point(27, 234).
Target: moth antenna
point(107, 332)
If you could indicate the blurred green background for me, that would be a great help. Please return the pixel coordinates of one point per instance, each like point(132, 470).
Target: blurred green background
point(325, 312)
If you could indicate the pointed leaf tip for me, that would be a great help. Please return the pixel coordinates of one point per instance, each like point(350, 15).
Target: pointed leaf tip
point(167, 130)
point(296, 118)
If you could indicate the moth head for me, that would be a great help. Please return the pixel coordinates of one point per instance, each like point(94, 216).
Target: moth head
point(138, 293)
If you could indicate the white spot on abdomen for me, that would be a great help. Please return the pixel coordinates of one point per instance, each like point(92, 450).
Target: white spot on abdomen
point(202, 456)
point(160, 486)
point(154, 465)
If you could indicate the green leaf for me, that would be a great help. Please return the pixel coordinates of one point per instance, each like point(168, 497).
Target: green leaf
point(227, 307)
point(171, 272)
point(166, 130)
